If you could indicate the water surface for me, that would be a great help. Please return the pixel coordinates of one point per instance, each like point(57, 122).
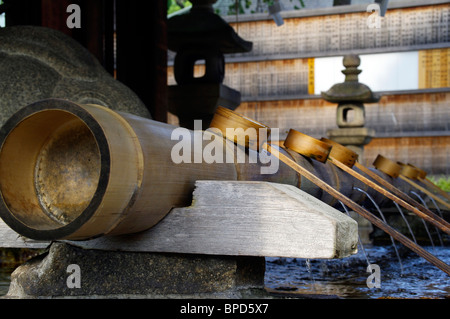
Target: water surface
point(347, 278)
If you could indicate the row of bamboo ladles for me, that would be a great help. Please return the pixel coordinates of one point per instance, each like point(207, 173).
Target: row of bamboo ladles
point(326, 150)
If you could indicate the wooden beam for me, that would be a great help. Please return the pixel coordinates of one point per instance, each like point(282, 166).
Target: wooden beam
point(241, 218)
point(10, 239)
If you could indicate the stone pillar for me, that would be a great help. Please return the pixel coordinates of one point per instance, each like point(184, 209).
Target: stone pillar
point(350, 118)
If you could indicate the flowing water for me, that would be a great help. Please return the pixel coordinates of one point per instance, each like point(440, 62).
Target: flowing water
point(384, 219)
point(347, 278)
point(402, 273)
point(426, 206)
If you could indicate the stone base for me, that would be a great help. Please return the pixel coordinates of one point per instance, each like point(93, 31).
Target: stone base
point(107, 274)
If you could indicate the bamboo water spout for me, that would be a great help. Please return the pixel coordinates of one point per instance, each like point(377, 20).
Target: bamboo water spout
point(70, 171)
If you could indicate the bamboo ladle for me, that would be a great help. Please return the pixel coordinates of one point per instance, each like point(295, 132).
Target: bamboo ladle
point(225, 118)
point(423, 178)
point(345, 159)
point(405, 172)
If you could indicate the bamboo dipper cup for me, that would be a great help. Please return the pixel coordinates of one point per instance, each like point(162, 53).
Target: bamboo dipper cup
point(224, 119)
point(245, 123)
point(345, 159)
point(387, 166)
point(404, 172)
point(423, 178)
point(410, 174)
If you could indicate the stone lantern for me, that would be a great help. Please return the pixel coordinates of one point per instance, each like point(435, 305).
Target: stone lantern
point(201, 36)
point(350, 97)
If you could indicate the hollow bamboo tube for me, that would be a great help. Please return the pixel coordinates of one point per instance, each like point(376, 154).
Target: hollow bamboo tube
point(71, 171)
point(342, 153)
point(344, 199)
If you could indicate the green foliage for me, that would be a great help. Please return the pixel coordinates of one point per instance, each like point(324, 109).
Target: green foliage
point(242, 6)
point(175, 5)
point(442, 182)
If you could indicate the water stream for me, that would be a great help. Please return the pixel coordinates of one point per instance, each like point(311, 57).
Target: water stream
point(384, 219)
point(360, 243)
point(406, 222)
point(347, 278)
point(428, 232)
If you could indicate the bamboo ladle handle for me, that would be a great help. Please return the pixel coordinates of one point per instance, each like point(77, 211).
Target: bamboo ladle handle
point(434, 187)
point(222, 120)
point(360, 210)
point(424, 190)
point(422, 176)
point(324, 150)
point(345, 159)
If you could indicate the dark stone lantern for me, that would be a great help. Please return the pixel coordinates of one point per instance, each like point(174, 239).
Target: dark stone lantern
point(201, 35)
point(350, 97)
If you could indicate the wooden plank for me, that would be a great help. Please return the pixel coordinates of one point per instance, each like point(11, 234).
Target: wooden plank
point(236, 218)
point(248, 219)
point(10, 239)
